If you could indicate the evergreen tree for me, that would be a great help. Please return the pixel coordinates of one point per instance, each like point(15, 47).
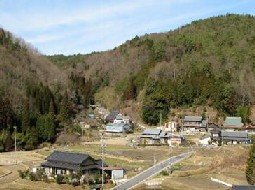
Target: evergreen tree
point(52, 108)
point(6, 113)
point(64, 110)
point(31, 138)
point(8, 143)
point(25, 116)
point(46, 127)
point(250, 168)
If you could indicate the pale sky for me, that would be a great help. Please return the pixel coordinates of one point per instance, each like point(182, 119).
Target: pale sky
point(82, 26)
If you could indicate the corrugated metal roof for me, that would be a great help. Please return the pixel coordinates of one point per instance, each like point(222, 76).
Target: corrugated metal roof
point(151, 131)
point(192, 119)
point(233, 121)
point(117, 127)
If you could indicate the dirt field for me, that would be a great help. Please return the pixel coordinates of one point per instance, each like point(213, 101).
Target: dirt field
point(224, 163)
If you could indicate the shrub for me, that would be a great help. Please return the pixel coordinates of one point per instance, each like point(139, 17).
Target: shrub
point(32, 176)
point(23, 174)
point(60, 179)
point(164, 173)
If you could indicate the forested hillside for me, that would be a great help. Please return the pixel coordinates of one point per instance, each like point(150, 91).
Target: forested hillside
point(32, 95)
point(208, 62)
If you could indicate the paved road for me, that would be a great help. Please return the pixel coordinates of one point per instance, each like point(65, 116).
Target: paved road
point(139, 178)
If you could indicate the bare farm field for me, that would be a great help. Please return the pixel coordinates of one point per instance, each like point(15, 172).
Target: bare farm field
point(225, 163)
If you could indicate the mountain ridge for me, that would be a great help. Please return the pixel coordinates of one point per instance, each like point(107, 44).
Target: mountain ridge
point(218, 49)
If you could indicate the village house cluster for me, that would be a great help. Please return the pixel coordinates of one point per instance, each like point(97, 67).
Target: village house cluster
point(63, 164)
point(232, 131)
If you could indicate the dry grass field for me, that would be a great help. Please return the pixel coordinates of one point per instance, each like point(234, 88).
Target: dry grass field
point(225, 163)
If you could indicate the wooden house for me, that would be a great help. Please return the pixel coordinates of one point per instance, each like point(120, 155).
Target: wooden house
point(122, 119)
point(154, 136)
point(194, 124)
point(226, 137)
point(67, 162)
point(111, 117)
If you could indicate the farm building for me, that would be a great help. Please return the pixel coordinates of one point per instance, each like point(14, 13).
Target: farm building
point(171, 126)
point(176, 140)
point(114, 172)
point(117, 128)
point(194, 123)
point(226, 137)
point(154, 136)
point(122, 119)
point(233, 123)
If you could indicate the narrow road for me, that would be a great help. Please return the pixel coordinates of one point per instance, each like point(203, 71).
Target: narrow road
point(141, 177)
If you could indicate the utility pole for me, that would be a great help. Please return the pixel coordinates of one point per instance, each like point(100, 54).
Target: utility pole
point(15, 141)
point(160, 119)
point(102, 154)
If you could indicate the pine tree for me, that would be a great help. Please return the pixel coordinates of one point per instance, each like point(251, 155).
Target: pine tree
point(250, 168)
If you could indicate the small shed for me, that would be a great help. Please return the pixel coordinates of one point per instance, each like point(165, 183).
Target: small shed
point(114, 172)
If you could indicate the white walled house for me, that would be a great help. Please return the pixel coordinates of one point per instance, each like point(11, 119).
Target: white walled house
point(122, 119)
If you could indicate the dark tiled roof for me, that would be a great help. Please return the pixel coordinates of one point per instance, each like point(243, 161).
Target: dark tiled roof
point(99, 163)
point(63, 165)
point(75, 158)
point(112, 115)
point(236, 134)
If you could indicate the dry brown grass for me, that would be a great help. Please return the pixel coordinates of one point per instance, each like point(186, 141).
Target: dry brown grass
point(225, 163)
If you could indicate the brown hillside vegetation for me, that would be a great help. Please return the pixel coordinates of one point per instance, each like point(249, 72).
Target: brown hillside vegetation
point(208, 62)
point(21, 65)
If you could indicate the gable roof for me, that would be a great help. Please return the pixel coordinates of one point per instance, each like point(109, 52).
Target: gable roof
point(68, 157)
point(122, 117)
point(151, 131)
point(117, 127)
point(99, 163)
point(233, 121)
point(236, 134)
point(192, 119)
